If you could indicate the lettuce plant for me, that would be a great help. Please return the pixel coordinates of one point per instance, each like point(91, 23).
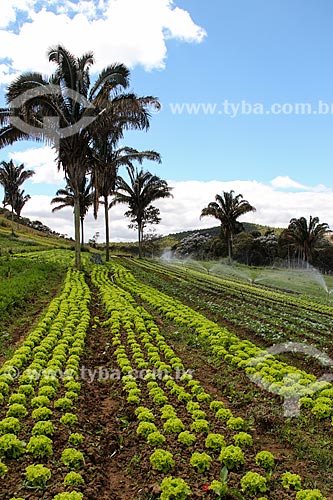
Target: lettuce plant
point(253, 483)
point(200, 425)
point(73, 495)
point(63, 404)
point(265, 459)
point(215, 441)
point(40, 446)
point(168, 411)
point(236, 423)
point(3, 469)
point(145, 415)
point(174, 489)
point(232, 457)
point(10, 425)
point(219, 488)
point(43, 427)
point(146, 428)
point(173, 425)
point(155, 439)
point(40, 401)
point(162, 460)
point(69, 419)
point(18, 398)
point(17, 410)
point(11, 446)
point(76, 438)
point(243, 439)
point(291, 481)
point(73, 479)
point(41, 414)
point(309, 495)
point(186, 438)
point(37, 476)
point(72, 458)
point(200, 461)
point(223, 414)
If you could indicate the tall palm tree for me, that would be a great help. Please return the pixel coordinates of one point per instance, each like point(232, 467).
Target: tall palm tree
point(108, 160)
point(65, 198)
point(66, 111)
point(20, 200)
point(305, 235)
point(142, 189)
point(227, 208)
point(11, 178)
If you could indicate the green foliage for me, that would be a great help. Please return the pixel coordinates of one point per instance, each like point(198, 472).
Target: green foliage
point(253, 483)
point(265, 459)
point(309, 495)
point(223, 414)
point(145, 415)
point(291, 481)
point(11, 446)
point(41, 414)
point(18, 398)
point(47, 391)
point(215, 441)
point(73, 495)
point(43, 428)
point(155, 439)
point(243, 439)
point(162, 460)
point(63, 404)
point(17, 410)
point(174, 489)
point(219, 488)
point(37, 475)
point(73, 479)
point(40, 401)
point(10, 425)
point(26, 389)
point(200, 425)
point(72, 458)
point(3, 469)
point(69, 419)
point(40, 446)
point(173, 425)
point(321, 410)
point(200, 461)
point(232, 457)
point(236, 423)
point(146, 428)
point(76, 438)
point(186, 438)
point(168, 411)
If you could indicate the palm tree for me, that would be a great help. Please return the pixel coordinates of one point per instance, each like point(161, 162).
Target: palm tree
point(105, 173)
point(66, 111)
point(65, 198)
point(11, 178)
point(305, 235)
point(143, 188)
point(227, 208)
point(20, 200)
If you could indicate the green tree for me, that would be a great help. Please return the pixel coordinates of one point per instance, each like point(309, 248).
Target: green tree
point(227, 208)
point(20, 200)
point(305, 235)
point(108, 160)
point(142, 189)
point(65, 198)
point(11, 178)
point(67, 111)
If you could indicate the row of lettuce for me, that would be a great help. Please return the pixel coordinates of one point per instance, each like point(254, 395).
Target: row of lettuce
point(38, 391)
point(185, 428)
point(262, 367)
point(242, 305)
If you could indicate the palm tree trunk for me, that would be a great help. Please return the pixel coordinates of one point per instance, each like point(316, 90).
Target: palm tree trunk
point(82, 234)
point(12, 222)
point(140, 241)
point(77, 229)
point(107, 235)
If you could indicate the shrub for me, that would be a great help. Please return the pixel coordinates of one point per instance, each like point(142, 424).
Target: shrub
point(162, 460)
point(11, 446)
point(186, 438)
point(215, 441)
point(73, 479)
point(37, 475)
point(265, 459)
point(200, 461)
point(253, 483)
point(72, 458)
point(232, 457)
point(40, 446)
point(174, 489)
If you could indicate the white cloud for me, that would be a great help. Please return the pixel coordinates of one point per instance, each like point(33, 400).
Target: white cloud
point(42, 161)
point(285, 182)
point(274, 208)
point(131, 31)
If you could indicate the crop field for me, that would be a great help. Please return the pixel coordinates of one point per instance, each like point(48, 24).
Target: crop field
point(142, 379)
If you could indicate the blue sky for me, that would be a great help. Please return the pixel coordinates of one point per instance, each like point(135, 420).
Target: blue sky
point(216, 57)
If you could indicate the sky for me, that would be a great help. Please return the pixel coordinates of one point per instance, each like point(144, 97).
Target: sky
point(246, 90)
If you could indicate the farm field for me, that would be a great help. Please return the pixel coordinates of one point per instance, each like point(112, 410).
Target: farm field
point(139, 379)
